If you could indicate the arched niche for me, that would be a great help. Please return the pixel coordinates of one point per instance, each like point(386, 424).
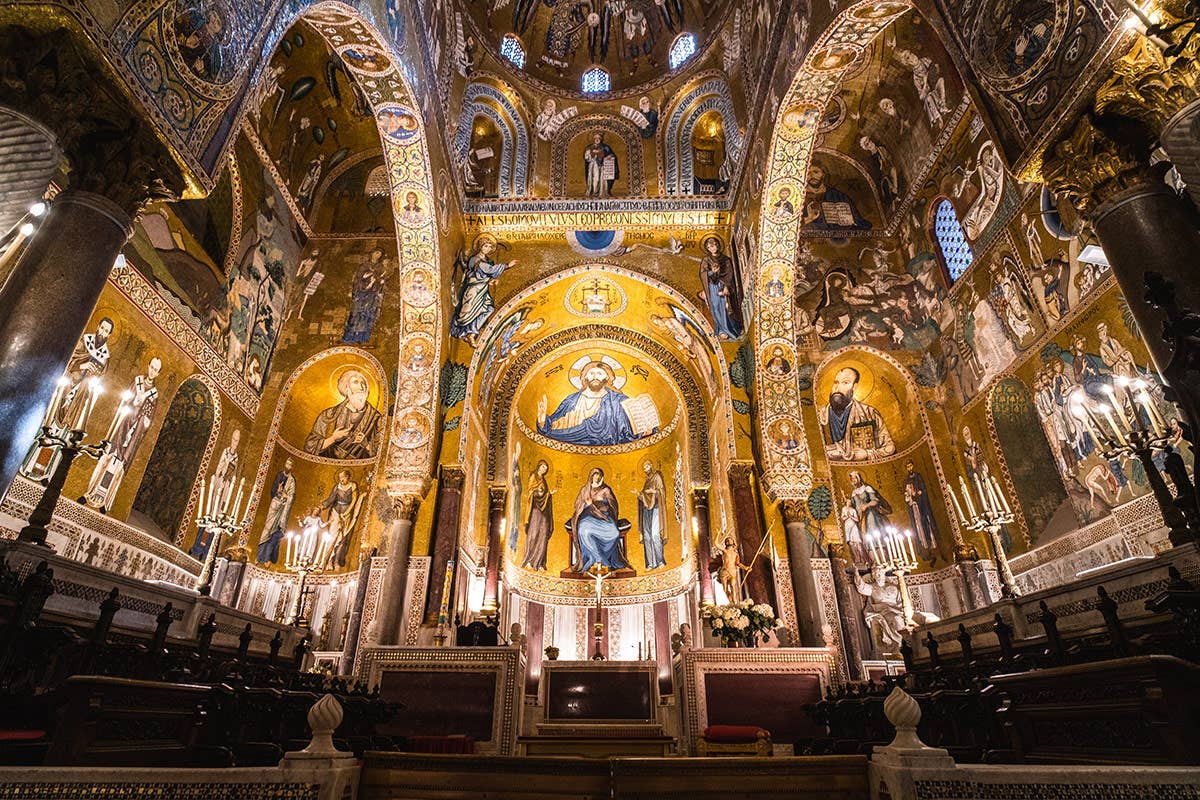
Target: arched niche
point(323, 396)
point(592, 299)
point(709, 155)
point(494, 101)
point(484, 165)
point(601, 335)
point(1028, 459)
point(881, 455)
point(568, 167)
point(693, 105)
point(181, 452)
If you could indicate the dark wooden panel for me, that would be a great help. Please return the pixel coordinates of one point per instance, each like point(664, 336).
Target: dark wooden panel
point(438, 703)
point(774, 701)
point(598, 694)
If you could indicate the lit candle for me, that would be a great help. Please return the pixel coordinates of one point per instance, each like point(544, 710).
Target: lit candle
point(81, 420)
point(1001, 502)
point(119, 416)
point(983, 498)
point(1118, 406)
point(1143, 18)
point(1107, 413)
point(912, 554)
point(55, 399)
point(289, 547)
point(989, 488)
point(967, 495)
point(894, 547)
point(1137, 12)
point(1143, 398)
point(241, 486)
point(1079, 411)
point(962, 518)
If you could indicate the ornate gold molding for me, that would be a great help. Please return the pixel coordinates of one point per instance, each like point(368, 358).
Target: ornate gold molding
point(1089, 165)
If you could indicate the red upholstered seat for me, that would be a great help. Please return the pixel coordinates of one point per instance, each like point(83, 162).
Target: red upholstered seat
point(21, 736)
point(731, 734)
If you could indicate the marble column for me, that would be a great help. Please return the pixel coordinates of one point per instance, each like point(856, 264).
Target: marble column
point(850, 605)
point(390, 617)
point(804, 587)
point(445, 537)
point(703, 545)
point(759, 582)
point(44, 306)
point(354, 623)
point(497, 501)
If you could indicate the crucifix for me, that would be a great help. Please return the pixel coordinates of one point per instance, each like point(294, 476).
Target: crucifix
point(598, 572)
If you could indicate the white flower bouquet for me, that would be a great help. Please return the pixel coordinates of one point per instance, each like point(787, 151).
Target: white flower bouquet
point(740, 623)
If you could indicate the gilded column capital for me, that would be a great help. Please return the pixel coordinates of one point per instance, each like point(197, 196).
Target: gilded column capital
point(1150, 87)
point(740, 472)
point(794, 511)
point(406, 506)
point(1090, 165)
point(700, 496)
point(497, 497)
point(452, 477)
point(840, 551)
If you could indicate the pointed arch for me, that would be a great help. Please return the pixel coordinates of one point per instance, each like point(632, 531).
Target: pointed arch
point(712, 404)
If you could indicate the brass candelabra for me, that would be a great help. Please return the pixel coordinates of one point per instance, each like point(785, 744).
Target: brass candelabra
point(893, 550)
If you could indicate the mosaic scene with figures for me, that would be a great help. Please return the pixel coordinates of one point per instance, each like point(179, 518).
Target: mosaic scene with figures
point(813, 385)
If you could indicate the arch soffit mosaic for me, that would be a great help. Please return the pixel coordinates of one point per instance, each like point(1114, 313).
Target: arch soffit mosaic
point(402, 134)
point(793, 140)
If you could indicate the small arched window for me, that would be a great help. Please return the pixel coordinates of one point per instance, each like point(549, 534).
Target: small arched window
point(596, 80)
point(683, 48)
point(951, 240)
point(512, 49)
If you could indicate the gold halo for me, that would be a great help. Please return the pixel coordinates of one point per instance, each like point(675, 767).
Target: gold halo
point(336, 374)
point(866, 379)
